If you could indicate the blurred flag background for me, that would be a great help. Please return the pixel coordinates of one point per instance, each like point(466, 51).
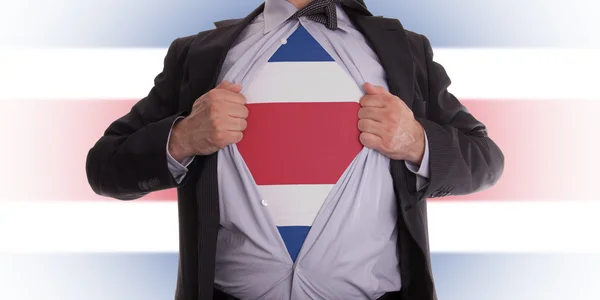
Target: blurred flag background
point(528, 69)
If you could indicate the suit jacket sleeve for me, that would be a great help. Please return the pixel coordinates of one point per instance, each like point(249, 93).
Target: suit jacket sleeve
point(130, 159)
point(462, 158)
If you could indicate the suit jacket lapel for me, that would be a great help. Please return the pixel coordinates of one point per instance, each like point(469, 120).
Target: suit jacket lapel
point(389, 41)
point(208, 52)
point(204, 61)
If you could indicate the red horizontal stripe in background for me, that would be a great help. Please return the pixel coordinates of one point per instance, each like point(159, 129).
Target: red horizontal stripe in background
point(551, 148)
point(300, 143)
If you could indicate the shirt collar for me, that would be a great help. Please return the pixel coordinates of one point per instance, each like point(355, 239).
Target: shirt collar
point(276, 12)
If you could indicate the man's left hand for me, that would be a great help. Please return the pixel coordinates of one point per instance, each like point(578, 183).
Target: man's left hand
point(388, 125)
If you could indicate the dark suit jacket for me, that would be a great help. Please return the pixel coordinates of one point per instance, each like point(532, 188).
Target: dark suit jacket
point(130, 159)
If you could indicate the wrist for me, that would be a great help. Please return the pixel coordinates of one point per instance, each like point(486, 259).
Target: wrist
point(418, 148)
point(177, 145)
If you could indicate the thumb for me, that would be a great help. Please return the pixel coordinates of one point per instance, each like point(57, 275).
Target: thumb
point(226, 85)
point(373, 89)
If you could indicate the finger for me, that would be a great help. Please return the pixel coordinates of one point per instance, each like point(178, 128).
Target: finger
point(227, 138)
point(371, 89)
point(236, 137)
point(234, 124)
point(231, 97)
point(236, 110)
point(226, 85)
point(370, 126)
point(372, 113)
point(372, 101)
point(241, 125)
point(370, 140)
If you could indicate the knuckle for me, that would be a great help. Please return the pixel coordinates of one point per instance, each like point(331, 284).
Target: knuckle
point(214, 106)
point(214, 122)
point(218, 138)
point(212, 94)
point(389, 115)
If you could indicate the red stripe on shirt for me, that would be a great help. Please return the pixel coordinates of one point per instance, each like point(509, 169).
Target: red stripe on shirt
point(300, 143)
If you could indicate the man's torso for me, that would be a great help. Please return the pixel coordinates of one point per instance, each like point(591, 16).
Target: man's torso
point(330, 195)
point(201, 56)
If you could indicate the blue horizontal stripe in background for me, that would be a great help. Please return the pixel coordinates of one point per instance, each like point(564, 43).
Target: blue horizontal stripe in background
point(155, 23)
point(150, 276)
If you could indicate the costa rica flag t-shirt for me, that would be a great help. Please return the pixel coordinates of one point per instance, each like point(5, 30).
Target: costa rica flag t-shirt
point(302, 132)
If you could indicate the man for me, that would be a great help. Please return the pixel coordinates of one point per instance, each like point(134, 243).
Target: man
point(303, 141)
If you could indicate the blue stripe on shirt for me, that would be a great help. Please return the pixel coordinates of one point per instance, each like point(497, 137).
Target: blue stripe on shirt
point(293, 237)
point(301, 46)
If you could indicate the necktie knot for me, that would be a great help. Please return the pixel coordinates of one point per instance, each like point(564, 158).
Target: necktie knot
point(322, 11)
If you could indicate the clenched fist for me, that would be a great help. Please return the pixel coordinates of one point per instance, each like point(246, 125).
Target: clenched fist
point(217, 119)
point(389, 126)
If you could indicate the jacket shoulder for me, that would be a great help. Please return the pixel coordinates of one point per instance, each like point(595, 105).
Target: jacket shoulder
point(185, 40)
point(177, 55)
point(418, 44)
point(420, 51)
point(182, 44)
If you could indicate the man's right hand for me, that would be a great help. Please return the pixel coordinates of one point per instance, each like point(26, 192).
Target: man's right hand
point(217, 119)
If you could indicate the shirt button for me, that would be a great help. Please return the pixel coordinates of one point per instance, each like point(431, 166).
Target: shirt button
point(264, 202)
point(283, 41)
